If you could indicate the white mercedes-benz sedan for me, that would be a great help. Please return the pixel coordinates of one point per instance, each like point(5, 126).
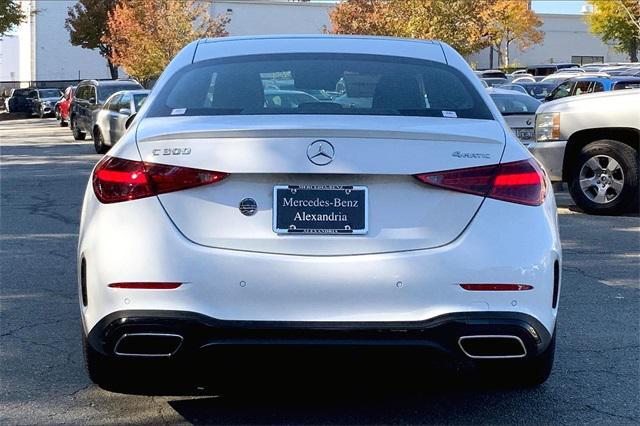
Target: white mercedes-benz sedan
point(391, 206)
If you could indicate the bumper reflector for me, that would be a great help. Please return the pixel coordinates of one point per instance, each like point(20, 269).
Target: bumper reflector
point(496, 287)
point(146, 286)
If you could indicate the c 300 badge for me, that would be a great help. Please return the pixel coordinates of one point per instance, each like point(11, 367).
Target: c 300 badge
point(172, 151)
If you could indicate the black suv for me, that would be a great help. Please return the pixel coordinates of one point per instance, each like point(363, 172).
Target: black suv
point(18, 101)
point(89, 97)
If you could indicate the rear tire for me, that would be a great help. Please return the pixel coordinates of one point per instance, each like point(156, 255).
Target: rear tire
point(98, 142)
point(598, 190)
point(77, 134)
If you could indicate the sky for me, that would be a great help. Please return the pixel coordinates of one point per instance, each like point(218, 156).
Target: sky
point(558, 6)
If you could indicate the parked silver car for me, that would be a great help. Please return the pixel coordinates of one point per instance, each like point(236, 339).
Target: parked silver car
point(111, 120)
point(518, 110)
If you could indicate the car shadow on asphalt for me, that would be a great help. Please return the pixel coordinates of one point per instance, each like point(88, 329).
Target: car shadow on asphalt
point(380, 389)
point(335, 386)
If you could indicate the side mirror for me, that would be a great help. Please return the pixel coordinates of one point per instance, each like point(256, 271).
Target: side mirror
point(92, 100)
point(129, 120)
point(548, 98)
point(125, 111)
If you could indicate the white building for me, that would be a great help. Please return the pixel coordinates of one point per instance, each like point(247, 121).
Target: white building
point(40, 49)
point(260, 17)
point(567, 39)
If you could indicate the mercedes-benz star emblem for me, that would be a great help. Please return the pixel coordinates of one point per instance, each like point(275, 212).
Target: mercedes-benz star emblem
point(320, 152)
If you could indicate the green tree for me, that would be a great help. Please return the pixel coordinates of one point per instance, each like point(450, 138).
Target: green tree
point(11, 15)
point(618, 22)
point(87, 25)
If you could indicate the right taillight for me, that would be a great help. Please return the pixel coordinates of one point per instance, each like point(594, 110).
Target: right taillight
point(519, 182)
point(118, 179)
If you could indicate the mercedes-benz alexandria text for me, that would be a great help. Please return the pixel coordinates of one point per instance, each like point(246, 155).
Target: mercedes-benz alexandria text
point(386, 203)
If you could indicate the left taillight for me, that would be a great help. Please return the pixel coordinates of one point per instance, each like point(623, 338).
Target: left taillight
point(118, 179)
point(521, 182)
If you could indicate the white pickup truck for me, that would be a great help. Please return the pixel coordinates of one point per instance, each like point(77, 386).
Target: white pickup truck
point(592, 142)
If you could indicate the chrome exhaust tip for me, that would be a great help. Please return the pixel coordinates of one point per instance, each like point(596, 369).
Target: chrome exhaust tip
point(159, 345)
point(492, 346)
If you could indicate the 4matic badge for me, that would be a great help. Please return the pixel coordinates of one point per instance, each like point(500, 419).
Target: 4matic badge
point(459, 154)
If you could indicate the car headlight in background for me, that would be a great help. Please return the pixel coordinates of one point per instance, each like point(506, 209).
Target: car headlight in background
point(547, 126)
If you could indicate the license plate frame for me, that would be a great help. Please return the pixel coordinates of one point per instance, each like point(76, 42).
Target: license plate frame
point(359, 218)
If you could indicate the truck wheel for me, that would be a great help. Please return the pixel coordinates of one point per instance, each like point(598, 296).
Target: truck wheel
point(604, 179)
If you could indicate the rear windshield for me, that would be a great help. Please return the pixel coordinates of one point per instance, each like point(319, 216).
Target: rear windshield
point(50, 93)
point(515, 104)
point(341, 84)
point(105, 91)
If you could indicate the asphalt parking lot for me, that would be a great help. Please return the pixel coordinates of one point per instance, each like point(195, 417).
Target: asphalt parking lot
point(43, 174)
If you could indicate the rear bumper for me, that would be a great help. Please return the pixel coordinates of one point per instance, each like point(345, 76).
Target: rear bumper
point(198, 333)
point(551, 156)
point(385, 287)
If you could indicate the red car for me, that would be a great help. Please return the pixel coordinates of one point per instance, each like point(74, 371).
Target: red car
point(63, 107)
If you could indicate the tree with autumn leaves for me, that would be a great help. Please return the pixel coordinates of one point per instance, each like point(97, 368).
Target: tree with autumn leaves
point(145, 35)
point(141, 36)
point(87, 25)
point(467, 25)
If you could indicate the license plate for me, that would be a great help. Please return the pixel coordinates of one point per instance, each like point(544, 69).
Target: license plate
point(524, 134)
point(314, 209)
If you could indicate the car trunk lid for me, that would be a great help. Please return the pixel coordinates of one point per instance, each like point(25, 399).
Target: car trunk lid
point(379, 153)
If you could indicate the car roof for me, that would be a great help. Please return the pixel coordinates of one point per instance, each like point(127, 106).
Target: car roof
point(133, 92)
point(499, 91)
point(313, 37)
point(606, 77)
point(536, 83)
point(118, 82)
point(211, 48)
point(571, 75)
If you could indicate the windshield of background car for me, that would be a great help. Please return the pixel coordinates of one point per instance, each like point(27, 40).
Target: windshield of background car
point(21, 92)
point(138, 100)
point(50, 93)
point(540, 90)
point(515, 104)
point(621, 85)
point(105, 91)
point(357, 85)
